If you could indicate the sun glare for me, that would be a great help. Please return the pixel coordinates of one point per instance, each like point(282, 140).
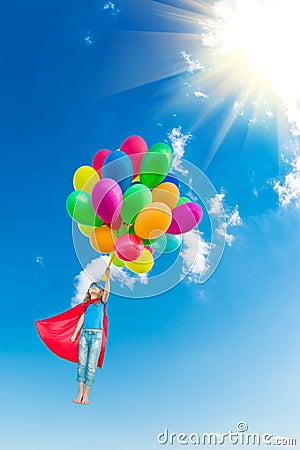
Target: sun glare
point(265, 34)
point(243, 54)
point(239, 53)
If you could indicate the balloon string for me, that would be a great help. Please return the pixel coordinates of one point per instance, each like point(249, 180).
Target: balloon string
point(125, 227)
point(109, 264)
point(111, 260)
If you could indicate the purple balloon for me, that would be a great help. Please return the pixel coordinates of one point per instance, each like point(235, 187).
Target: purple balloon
point(184, 218)
point(107, 199)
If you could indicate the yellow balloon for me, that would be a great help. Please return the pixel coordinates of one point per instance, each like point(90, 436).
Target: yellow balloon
point(85, 179)
point(167, 193)
point(86, 230)
point(137, 178)
point(153, 220)
point(143, 264)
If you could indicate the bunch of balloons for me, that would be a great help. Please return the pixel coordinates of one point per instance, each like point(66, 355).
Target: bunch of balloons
point(129, 205)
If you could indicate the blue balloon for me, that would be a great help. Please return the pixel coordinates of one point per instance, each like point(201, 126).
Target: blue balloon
point(170, 178)
point(167, 243)
point(118, 166)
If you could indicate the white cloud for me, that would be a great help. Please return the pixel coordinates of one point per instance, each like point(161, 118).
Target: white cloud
point(229, 238)
point(289, 190)
point(178, 142)
point(144, 278)
point(111, 6)
point(252, 121)
point(269, 113)
point(202, 295)
point(216, 205)
point(200, 94)
point(239, 108)
point(295, 128)
point(191, 65)
point(192, 196)
point(233, 218)
point(88, 40)
point(39, 260)
point(194, 254)
point(94, 271)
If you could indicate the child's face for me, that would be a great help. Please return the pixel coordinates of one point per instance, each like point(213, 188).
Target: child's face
point(94, 290)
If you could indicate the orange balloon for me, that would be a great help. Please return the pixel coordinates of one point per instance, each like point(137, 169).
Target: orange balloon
point(102, 239)
point(167, 193)
point(153, 220)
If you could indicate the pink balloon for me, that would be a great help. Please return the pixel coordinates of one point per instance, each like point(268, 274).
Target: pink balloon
point(150, 249)
point(99, 159)
point(135, 147)
point(107, 199)
point(184, 218)
point(129, 247)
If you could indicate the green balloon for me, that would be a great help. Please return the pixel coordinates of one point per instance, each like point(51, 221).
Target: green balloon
point(131, 230)
point(79, 207)
point(182, 200)
point(156, 164)
point(134, 199)
point(116, 261)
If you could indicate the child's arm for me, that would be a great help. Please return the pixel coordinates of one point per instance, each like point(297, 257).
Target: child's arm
point(79, 325)
point(107, 286)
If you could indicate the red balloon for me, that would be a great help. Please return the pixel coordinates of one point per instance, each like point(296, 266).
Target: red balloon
point(150, 249)
point(135, 147)
point(99, 159)
point(129, 247)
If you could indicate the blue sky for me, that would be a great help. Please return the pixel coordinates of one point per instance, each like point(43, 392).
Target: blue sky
point(78, 77)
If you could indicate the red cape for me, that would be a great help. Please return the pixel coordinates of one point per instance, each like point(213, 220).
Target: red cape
point(56, 332)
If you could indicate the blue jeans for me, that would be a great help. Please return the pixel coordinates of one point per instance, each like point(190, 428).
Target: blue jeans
point(89, 351)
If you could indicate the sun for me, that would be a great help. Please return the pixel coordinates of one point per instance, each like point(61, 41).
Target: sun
point(262, 38)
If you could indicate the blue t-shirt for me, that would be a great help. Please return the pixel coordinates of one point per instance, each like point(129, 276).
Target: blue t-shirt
point(93, 316)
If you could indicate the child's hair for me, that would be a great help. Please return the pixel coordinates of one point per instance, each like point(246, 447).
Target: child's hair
point(88, 295)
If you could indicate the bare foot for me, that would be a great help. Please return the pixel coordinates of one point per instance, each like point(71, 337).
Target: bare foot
point(85, 400)
point(78, 399)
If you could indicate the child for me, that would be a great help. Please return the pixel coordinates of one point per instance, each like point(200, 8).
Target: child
point(59, 334)
point(90, 324)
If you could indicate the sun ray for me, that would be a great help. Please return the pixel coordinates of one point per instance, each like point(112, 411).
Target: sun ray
point(249, 54)
point(240, 53)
